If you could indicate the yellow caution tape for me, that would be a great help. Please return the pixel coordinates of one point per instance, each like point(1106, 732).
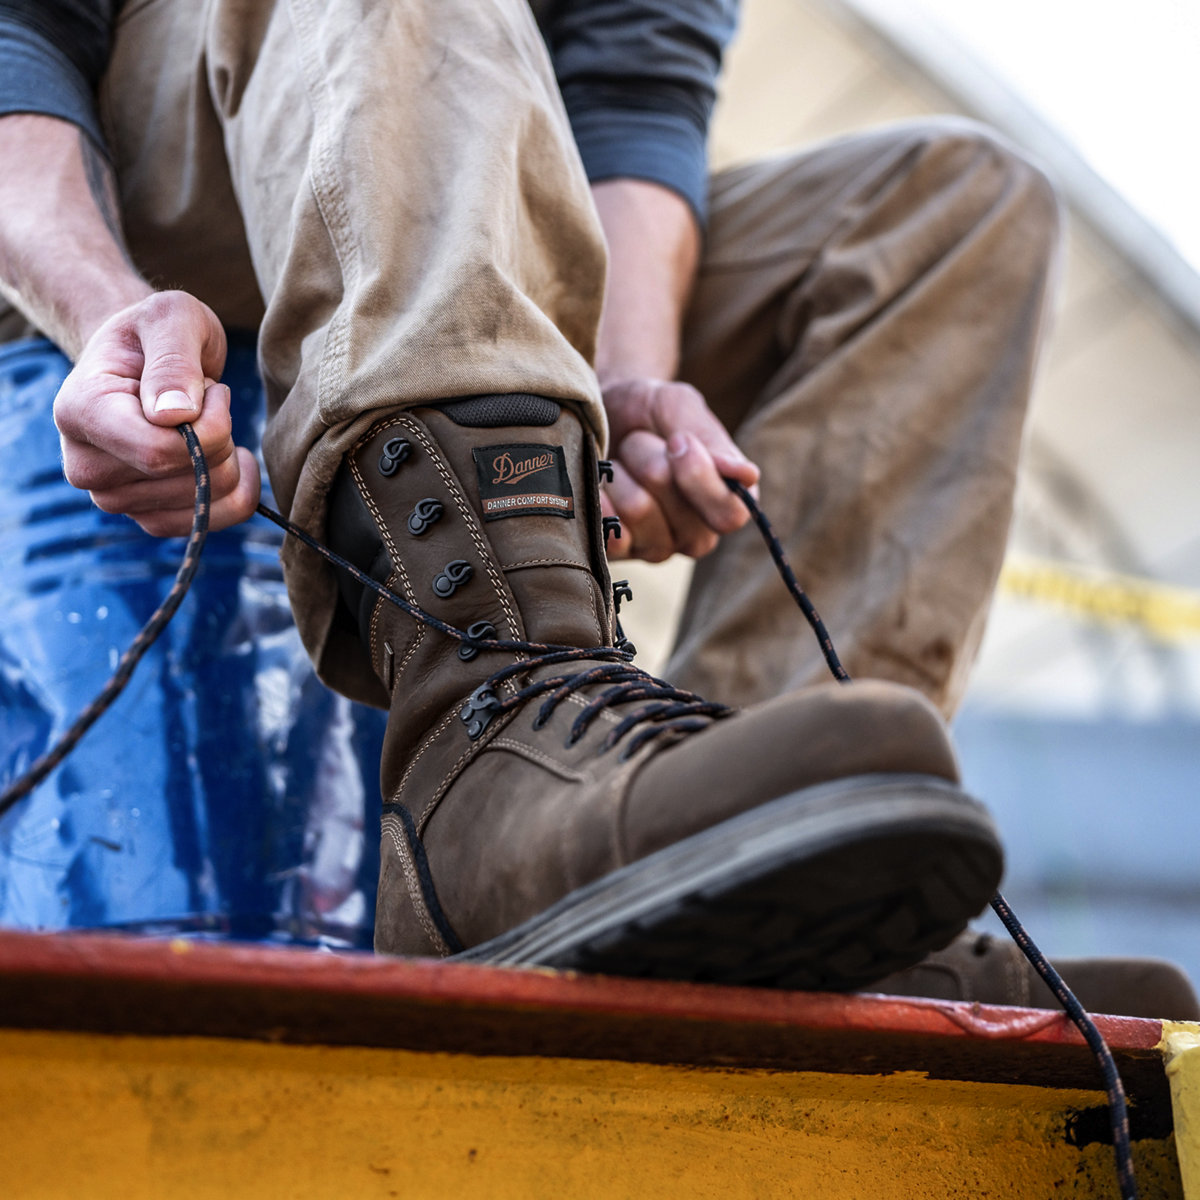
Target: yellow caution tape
point(1170, 614)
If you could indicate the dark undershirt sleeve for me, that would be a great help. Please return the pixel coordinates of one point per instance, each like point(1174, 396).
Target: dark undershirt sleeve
point(52, 55)
point(638, 78)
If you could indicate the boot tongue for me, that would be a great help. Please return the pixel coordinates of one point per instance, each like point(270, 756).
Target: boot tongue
point(532, 483)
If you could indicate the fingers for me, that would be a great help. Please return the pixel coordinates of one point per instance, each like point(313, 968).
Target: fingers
point(174, 517)
point(676, 455)
point(148, 369)
point(645, 531)
point(146, 472)
point(183, 346)
point(106, 441)
point(664, 408)
point(167, 348)
point(662, 520)
point(159, 502)
point(701, 452)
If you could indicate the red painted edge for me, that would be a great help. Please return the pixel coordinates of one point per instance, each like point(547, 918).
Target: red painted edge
point(82, 957)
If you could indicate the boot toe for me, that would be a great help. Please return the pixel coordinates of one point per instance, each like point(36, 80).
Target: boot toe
point(796, 741)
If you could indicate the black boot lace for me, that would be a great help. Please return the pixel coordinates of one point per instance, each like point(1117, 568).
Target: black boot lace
point(670, 711)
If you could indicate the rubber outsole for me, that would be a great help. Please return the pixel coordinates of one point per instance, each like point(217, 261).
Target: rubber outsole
point(830, 888)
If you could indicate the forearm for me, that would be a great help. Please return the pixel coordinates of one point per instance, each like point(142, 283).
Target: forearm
point(62, 257)
point(654, 247)
point(145, 361)
point(669, 450)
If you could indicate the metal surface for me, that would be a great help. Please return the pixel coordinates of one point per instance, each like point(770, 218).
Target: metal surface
point(155, 987)
point(137, 1067)
point(227, 793)
point(1181, 1054)
point(133, 1118)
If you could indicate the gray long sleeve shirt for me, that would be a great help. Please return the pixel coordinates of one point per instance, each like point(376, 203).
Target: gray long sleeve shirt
point(638, 77)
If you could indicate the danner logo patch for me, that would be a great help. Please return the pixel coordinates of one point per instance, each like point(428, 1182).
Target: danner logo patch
point(513, 470)
point(522, 480)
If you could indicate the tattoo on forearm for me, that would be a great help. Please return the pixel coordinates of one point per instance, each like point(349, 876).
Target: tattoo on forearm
point(103, 188)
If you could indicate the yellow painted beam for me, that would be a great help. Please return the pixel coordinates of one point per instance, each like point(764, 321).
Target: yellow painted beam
point(1181, 1054)
point(98, 1116)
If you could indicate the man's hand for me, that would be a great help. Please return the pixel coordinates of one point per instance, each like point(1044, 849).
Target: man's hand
point(669, 450)
point(669, 456)
point(146, 369)
point(145, 361)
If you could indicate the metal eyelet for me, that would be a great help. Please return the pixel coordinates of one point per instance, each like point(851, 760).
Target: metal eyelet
point(395, 451)
point(481, 706)
point(427, 512)
point(479, 631)
point(621, 591)
point(453, 576)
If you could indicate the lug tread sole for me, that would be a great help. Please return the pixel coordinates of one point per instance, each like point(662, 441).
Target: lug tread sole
point(831, 888)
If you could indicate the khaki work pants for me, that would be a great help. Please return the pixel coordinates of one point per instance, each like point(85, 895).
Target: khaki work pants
point(390, 193)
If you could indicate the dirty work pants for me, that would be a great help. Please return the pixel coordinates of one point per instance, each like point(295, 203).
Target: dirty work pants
point(390, 192)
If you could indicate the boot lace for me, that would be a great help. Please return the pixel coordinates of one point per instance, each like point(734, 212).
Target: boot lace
point(670, 711)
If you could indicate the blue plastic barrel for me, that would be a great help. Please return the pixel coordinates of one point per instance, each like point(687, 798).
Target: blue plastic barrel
point(227, 793)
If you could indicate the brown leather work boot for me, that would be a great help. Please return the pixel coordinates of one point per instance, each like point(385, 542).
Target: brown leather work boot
point(980, 968)
point(546, 802)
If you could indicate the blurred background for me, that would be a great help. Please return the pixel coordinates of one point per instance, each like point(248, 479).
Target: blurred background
point(1082, 728)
